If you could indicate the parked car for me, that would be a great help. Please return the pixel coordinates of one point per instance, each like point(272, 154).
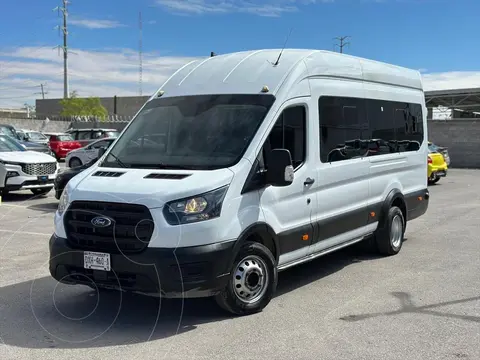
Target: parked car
point(61, 144)
point(78, 157)
point(66, 175)
point(11, 132)
point(437, 167)
point(33, 136)
point(87, 136)
point(21, 169)
point(440, 149)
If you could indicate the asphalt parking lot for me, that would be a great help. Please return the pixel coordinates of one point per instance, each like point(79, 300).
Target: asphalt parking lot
point(423, 303)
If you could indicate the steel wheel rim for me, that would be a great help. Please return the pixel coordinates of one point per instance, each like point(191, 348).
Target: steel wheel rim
point(250, 279)
point(396, 231)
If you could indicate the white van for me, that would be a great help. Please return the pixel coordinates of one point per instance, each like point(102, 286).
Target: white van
point(239, 167)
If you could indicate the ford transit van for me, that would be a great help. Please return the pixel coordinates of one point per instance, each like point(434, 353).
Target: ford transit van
point(241, 166)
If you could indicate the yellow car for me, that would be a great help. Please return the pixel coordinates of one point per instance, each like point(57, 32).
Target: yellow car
point(437, 167)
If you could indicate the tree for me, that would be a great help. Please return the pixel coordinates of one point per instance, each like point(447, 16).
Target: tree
point(75, 106)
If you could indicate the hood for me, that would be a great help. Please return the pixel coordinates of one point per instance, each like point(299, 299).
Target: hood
point(27, 157)
point(133, 187)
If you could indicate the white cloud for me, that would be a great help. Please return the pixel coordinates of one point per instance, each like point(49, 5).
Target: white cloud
point(270, 8)
point(115, 72)
point(95, 23)
point(451, 80)
point(91, 73)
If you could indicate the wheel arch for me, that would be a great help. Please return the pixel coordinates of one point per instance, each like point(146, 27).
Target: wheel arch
point(258, 232)
point(394, 198)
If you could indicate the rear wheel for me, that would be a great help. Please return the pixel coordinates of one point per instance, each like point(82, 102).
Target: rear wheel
point(253, 281)
point(42, 191)
point(389, 238)
point(433, 180)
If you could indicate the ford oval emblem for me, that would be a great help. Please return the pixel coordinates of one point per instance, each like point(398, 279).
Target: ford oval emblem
point(101, 221)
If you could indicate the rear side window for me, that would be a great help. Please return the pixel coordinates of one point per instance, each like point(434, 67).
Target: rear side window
point(84, 135)
point(343, 125)
point(355, 127)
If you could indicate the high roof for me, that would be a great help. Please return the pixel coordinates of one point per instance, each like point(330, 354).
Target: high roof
point(249, 71)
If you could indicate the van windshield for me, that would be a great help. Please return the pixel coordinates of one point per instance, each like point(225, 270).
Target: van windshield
point(199, 132)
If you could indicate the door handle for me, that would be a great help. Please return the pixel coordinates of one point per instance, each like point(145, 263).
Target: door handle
point(308, 181)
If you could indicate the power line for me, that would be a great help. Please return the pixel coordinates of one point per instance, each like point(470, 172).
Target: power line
point(43, 92)
point(64, 28)
point(342, 43)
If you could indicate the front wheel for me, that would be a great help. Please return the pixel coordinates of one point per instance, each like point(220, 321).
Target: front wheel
point(75, 162)
point(42, 191)
point(252, 283)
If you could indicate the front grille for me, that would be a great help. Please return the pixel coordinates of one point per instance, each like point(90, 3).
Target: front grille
point(130, 230)
point(39, 169)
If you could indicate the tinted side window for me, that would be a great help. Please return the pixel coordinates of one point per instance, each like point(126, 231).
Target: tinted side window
point(409, 127)
point(84, 135)
point(343, 125)
point(382, 127)
point(97, 134)
point(100, 144)
point(289, 133)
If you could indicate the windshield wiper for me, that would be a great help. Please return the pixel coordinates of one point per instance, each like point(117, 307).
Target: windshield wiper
point(117, 160)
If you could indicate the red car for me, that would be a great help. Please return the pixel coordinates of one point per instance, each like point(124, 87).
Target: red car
point(61, 144)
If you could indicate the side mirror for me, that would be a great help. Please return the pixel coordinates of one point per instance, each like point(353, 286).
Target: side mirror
point(101, 151)
point(280, 169)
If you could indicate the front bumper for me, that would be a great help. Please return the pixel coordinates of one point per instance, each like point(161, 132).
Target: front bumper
point(197, 271)
point(23, 181)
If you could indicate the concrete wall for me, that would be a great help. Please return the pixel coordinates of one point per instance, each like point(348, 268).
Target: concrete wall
point(461, 137)
point(126, 106)
point(39, 125)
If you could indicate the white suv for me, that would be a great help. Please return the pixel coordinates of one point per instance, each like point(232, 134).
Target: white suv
point(21, 169)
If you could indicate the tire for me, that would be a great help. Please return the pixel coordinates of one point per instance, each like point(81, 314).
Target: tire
point(74, 162)
point(434, 181)
point(254, 264)
point(42, 191)
point(389, 238)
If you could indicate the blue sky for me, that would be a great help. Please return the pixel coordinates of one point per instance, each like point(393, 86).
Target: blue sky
point(437, 37)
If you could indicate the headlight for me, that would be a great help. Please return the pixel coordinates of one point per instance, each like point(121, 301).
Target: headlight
point(63, 202)
point(197, 208)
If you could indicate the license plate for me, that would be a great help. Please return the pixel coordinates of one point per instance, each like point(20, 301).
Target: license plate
point(96, 261)
point(441, 173)
point(43, 178)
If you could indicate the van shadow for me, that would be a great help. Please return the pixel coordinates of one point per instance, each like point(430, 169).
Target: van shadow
point(49, 207)
point(45, 314)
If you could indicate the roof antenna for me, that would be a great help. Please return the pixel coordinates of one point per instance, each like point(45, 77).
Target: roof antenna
point(281, 52)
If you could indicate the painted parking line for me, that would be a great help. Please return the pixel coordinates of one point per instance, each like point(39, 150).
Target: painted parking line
point(13, 205)
point(24, 232)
